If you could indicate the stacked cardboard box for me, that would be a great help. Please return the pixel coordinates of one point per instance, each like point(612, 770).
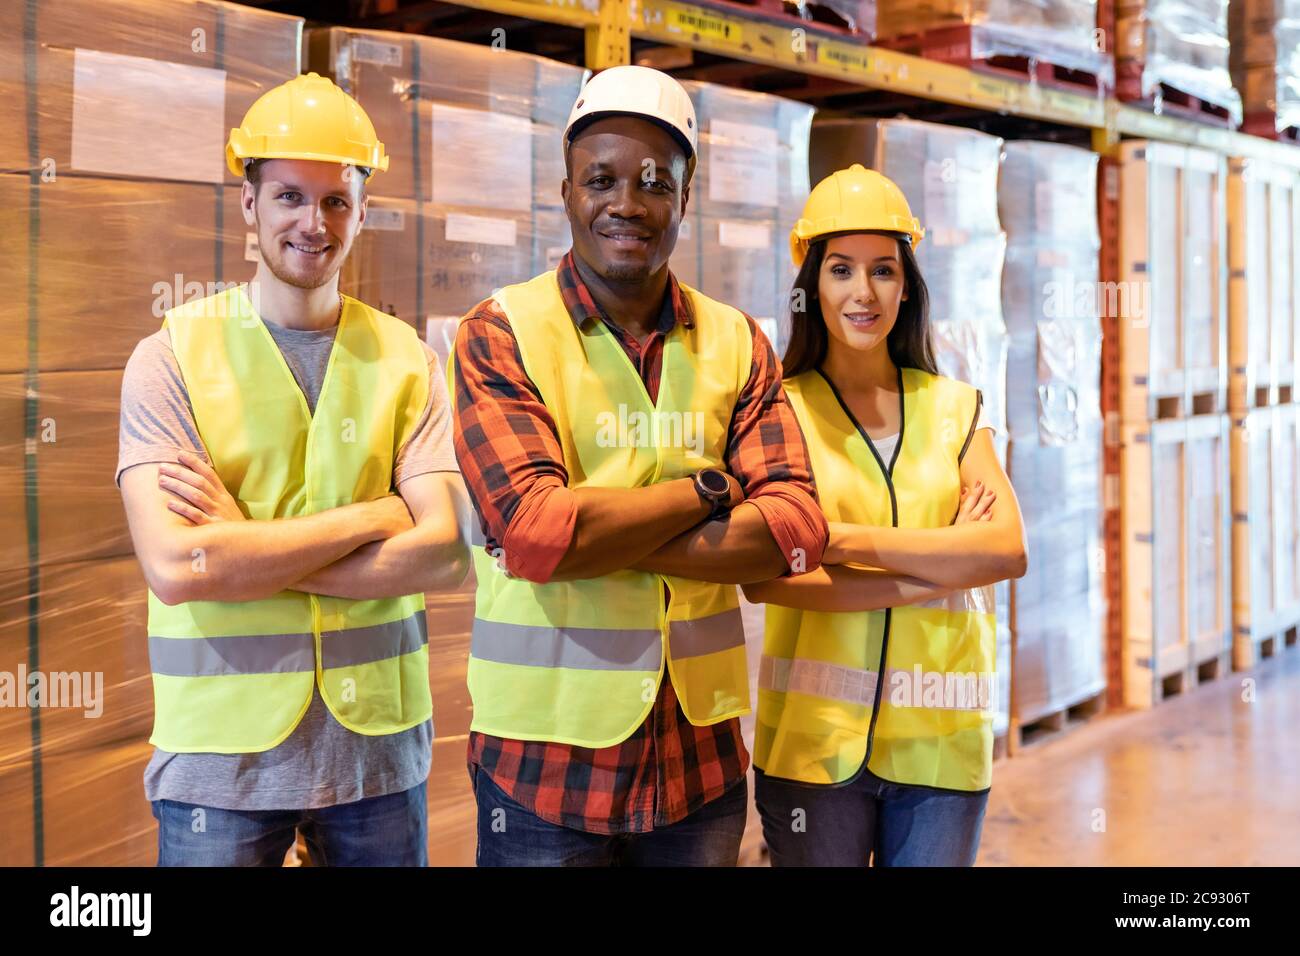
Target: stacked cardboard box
point(1061, 32)
point(750, 185)
point(1174, 450)
point(1182, 44)
point(1265, 59)
point(120, 206)
point(1048, 206)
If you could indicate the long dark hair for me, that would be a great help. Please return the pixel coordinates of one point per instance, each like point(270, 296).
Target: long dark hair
point(909, 342)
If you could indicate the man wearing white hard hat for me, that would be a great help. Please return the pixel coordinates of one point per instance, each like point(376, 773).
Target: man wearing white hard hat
point(285, 460)
point(626, 442)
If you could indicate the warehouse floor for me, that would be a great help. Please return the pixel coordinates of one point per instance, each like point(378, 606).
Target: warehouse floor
point(1205, 779)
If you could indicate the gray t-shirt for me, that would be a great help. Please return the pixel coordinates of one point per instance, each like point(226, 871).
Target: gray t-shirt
point(321, 763)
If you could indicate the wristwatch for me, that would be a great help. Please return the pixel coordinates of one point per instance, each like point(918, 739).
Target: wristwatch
point(714, 489)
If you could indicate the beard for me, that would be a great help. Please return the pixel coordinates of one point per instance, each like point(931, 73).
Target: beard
point(626, 273)
point(277, 261)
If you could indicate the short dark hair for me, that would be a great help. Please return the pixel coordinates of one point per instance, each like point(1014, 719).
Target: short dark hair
point(253, 173)
point(910, 344)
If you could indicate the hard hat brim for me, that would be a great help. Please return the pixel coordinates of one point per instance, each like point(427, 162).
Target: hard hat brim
point(235, 162)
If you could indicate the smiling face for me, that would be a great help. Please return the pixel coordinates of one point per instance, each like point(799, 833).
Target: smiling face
point(860, 288)
point(625, 196)
point(307, 215)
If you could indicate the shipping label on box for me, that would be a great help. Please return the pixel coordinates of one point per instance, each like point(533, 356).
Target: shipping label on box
point(181, 107)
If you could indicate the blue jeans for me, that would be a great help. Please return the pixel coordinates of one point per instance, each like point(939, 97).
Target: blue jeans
point(843, 826)
point(509, 835)
point(391, 830)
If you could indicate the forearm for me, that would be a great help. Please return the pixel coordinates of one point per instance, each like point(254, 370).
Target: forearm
point(736, 551)
point(965, 555)
point(250, 560)
point(618, 527)
point(839, 588)
point(412, 562)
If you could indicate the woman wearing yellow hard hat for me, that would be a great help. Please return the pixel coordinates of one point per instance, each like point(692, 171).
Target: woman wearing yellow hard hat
point(874, 731)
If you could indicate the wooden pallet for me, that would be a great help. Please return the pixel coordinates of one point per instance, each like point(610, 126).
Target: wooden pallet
point(1053, 724)
point(1249, 648)
point(952, 44)
point(818, 16)
point(1167, 100)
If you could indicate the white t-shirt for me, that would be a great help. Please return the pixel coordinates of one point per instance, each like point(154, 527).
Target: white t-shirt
point(886, 445)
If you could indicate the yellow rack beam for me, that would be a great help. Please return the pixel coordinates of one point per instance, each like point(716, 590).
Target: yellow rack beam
point(610, 24)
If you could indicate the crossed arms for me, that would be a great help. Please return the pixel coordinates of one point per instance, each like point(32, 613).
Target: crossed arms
point(194, 544)
point(984, 545)
point(510, 453)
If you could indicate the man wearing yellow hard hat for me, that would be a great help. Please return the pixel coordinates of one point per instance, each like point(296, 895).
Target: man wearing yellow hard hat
point(874, 736)
point(631, 458)
point(287, 470)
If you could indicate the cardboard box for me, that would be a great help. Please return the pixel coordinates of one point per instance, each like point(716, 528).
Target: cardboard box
point(137, 88)
point(456, 118)
point(73, 457)
point(107, 258)
point(89, 647)
point(444, 260)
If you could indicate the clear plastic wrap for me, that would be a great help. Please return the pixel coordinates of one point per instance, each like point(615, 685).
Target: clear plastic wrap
point(442, 260)
point(858, 15)
point(156, 244)
point(1180, 43)
point(1047, 194)
point(1059, 606)
point(140, 88)
point(1061, 32)
point(732, 260)
point(750, 186)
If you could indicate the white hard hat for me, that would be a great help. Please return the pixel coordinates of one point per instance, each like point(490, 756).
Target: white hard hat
point(638, 91)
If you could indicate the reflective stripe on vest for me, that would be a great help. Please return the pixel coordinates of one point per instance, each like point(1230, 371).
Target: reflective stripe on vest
point(823, 714)
point(580, 662)
point(236, 677)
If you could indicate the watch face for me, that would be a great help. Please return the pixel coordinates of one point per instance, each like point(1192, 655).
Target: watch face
point(714, 482)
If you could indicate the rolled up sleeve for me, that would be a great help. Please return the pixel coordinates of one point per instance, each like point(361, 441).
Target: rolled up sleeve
point(509, 450)
point(767, 454)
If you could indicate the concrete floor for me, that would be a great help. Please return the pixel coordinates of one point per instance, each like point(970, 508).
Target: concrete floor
point(1208, 778)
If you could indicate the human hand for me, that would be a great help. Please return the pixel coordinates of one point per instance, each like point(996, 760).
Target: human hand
point(196, 492)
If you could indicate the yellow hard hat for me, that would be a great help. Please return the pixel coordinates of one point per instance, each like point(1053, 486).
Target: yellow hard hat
point(856, 199)
point(306, 118)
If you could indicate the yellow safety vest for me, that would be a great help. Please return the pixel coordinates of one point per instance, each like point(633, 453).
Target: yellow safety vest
point(823, 712)
point(237, 677)
point(579, 662)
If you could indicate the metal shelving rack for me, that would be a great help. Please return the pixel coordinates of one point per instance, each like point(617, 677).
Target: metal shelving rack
point(609, 27)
